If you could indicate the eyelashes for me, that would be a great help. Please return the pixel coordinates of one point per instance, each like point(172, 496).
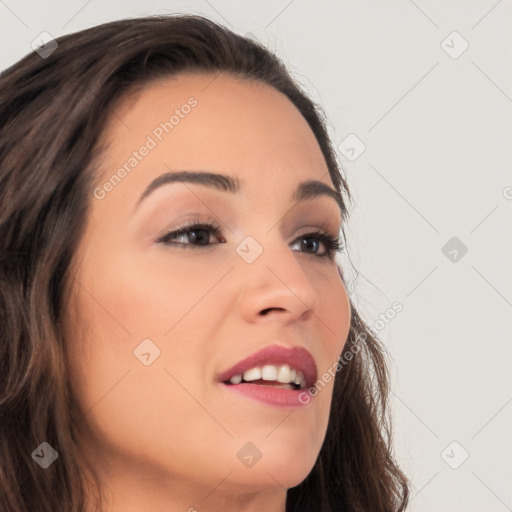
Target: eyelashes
point(333, 245)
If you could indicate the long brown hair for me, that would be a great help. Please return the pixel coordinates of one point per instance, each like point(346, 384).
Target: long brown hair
point(53, 111)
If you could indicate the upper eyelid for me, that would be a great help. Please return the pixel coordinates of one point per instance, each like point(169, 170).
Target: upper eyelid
point(214, 227)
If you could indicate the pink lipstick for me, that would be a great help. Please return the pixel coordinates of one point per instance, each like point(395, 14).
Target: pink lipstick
point(276, 375)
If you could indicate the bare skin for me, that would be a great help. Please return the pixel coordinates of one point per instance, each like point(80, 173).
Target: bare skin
point(166, 435)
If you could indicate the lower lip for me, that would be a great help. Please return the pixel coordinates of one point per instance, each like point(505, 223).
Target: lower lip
point(286, 398)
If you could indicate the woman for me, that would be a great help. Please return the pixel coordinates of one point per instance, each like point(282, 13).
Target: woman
point(176, 332)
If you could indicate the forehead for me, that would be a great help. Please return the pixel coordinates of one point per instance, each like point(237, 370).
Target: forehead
point(232, 120)
point(217, 123)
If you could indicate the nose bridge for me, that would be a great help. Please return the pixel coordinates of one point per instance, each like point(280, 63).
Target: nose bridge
point(275, 276)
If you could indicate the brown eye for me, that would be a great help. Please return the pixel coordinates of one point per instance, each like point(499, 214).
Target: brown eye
point(197, 234)
point(332, 245)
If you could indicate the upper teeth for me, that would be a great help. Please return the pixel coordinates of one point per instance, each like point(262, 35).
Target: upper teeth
point(280, 373)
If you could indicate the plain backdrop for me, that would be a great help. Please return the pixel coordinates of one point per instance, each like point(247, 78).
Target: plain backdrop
point(418, 97)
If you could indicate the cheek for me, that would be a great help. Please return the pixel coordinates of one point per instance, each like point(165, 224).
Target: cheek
point(336, 309)
point(127, 316)
point(129, 300)
point(335, 318)
point(147, 298)
point(130, 404)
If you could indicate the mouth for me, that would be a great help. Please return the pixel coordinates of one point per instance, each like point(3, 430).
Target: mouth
point(276, 375)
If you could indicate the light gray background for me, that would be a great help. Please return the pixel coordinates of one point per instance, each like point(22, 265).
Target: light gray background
point(437, 162)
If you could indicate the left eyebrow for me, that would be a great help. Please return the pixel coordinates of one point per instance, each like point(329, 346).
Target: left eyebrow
point(304, 191)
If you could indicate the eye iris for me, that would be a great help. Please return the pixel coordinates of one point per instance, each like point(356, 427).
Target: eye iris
point(201, 239)
point(311, 241)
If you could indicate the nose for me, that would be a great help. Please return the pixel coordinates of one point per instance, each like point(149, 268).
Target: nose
point(276, 286)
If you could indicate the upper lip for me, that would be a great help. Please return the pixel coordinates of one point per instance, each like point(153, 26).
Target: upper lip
point(296, 357)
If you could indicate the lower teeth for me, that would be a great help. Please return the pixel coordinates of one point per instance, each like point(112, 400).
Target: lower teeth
point(291, 386)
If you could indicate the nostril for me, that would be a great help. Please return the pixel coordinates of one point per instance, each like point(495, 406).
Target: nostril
point(265, 311)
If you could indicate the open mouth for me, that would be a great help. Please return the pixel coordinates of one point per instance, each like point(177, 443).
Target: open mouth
point(281, 376)
point(273, 392)
point(273, 383)
point(276, 375)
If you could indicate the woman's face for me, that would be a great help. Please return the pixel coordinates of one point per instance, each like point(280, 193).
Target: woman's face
point(166, 318)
